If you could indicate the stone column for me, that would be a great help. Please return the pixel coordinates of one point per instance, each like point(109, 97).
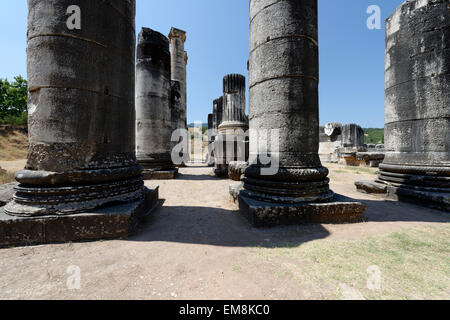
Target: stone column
point(352, 136)
point(417, 131)
point(233, 127)
point(211, 136)
point(178, 68)
point(153, 112)
point(81, 121)
point(233, 104)
point(284, 76)
point(179, 59)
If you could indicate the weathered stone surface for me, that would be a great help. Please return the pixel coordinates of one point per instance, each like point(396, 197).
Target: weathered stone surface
point(7, 192)
point(177, 39)
point(218, 111)
point(160, 174)
point(339, 210)
point(111, 222)
point(284, 75)
point(333, 130)
point(283, 70)
point(352, 136)
point(234, 125)
point(417, 104)
point(370, 186)
point(80, 110)
point(234, 104)
point(236, 170)
point(153, 94)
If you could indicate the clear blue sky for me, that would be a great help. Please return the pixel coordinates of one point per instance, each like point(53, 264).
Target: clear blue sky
point(351, 55)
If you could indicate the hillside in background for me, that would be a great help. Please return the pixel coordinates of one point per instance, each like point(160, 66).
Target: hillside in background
point(374, 136)
point(13, 143)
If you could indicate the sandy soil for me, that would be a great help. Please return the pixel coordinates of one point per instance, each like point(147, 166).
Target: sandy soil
point(13, 166)
point(197, 246)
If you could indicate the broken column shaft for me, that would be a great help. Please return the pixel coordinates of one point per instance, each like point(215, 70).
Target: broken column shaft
point(153, 112)
point(234, 147)
point(417, 107)
point(233, 104)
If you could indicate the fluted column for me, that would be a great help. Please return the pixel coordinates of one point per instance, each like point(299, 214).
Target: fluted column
point(218, 108)
point(81, 109)
point(234, 104)
point(284, 77)
point(153, 93)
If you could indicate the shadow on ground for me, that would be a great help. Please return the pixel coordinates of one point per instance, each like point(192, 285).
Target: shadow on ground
point(225, 227)
point(222, 227)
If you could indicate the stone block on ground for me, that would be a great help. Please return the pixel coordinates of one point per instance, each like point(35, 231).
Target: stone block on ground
point(110, 222)
point(339, 210)
point(160, 175)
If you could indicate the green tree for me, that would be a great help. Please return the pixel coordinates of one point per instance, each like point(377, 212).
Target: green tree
point(13, 101)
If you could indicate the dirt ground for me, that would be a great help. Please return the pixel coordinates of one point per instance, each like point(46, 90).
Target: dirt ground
point(197, 246)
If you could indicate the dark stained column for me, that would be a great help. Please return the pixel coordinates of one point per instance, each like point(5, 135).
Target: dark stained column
point(233, 104)
point(284, 77)
point(177, 39)
point(81, 109)
point(153, 112)
point(417, 106)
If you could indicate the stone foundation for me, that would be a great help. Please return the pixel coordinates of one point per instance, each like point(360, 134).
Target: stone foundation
point(263, 214)
point(426, 198)
point(112, 222)
point(160, 175)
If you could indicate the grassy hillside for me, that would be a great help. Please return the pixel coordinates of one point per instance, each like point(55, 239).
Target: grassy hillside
point(374, 136)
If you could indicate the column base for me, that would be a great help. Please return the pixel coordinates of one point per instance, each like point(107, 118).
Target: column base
point(160, 174)
point(221, 171)
point(110, 222)
point(425, 198)
point(237, 169)
point(264, 214)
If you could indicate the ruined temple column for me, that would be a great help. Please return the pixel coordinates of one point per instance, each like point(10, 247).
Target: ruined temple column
point(218, 108)
point(211, 136)
point(177, 39)
point(417, 107)
point(233, 127)
point(81, 120)
point(284, 76)
point(220, 166)
point(153, 112)
point(352, 136)
point(179, 60)
point(233, 104)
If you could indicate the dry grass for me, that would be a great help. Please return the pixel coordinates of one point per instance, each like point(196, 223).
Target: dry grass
point(13, 145)
point(6, 177)
point(414, 264)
